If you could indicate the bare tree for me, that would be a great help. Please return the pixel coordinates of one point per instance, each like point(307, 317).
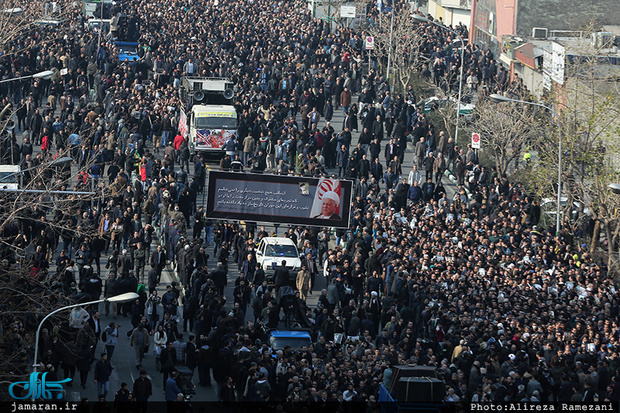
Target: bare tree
point(603, 208)
point(18, 17)
point(406, 40)
point(330, 10)
point(29, 286)
point(505, 131)
point(588, 119)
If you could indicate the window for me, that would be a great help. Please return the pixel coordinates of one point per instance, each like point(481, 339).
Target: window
point(276, 250)
point(9, 177)
point(216, 123)
point(296, 343)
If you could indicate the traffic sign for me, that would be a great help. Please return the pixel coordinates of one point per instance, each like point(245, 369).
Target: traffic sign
point(370, 43)
point(475, 141)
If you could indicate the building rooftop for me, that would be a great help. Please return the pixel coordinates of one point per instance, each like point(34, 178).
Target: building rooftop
point(564, 14)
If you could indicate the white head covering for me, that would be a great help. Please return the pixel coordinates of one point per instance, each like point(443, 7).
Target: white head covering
point(333, 196)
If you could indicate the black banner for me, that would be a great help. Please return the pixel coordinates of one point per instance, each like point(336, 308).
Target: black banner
point(279, 199)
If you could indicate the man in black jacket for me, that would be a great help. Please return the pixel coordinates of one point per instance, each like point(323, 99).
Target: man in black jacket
point(377, 129)
point(158, 260)
point(219, 278)
point(168, 360)
point(391, 150)
point(363, 167)
point(95, 324)
point(36, 124)
point(103, 370)
point(374, 149)
point(26, 148)
point(227, 392)
point(281, 276)
point(142, 390)
point(191, 357)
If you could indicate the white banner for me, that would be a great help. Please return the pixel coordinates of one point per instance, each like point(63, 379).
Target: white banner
point(183, 129)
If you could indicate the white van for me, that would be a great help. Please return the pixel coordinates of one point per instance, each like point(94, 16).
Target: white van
point(273, 250)
point(9, 176)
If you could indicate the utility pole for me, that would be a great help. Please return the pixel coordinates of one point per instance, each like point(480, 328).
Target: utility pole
point(387, 77)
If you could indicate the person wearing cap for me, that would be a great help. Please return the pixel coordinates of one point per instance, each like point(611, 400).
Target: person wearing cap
point(329, 206)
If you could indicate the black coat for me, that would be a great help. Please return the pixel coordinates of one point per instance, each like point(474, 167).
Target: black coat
point(103, 371)
point(142, 389)
point(377, 130)
point(85, 360)
point(168, 359)
point(191, 357)
point(259, 276)
point(282, 277)
point(102, 326)
point(363, 168)
point(157, 261)
point(219, 278)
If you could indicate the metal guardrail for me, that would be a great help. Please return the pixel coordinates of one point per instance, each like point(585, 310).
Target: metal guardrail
point(572, 34)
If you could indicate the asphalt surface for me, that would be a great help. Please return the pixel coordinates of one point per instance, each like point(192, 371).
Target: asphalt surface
point(123, 360)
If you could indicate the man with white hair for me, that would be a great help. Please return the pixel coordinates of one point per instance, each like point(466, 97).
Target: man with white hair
point(330, 205)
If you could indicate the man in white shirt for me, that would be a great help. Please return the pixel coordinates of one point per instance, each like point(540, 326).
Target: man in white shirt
point(414, 176)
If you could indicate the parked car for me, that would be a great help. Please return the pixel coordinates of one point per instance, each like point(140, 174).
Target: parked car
point(278, 339)
point(272, 251)
point(434, 102)
point(549, 207)
point(127, 51)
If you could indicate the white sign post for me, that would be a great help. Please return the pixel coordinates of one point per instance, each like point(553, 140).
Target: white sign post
point(475, 141)
point(370, 43)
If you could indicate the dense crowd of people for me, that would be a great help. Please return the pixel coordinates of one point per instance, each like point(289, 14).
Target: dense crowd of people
point(471, 285)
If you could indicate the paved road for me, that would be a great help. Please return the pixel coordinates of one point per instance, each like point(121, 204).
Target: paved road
point(336, 123)
point(123, 360)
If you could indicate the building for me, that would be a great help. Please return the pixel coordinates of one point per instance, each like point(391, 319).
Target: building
point(547, 64)
point(451, 12)
point(493, 19)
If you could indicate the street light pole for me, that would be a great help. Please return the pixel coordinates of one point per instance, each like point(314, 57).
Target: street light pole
point(46, 74)
point(499, 99)
point(116, 299)
point(423, 19)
